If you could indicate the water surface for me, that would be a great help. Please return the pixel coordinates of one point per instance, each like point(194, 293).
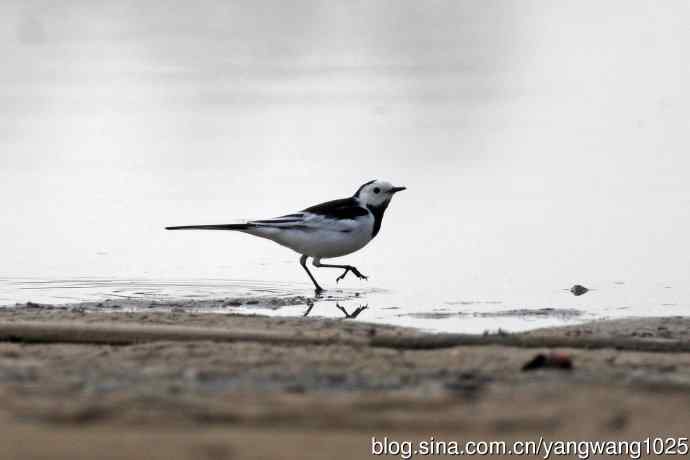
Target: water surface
point(510, 308)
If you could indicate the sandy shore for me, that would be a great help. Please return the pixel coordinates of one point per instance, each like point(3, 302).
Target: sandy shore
point(260, 394)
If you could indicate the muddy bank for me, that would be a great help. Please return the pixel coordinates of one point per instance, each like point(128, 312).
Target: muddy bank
point(106, 328)
point(261, 399)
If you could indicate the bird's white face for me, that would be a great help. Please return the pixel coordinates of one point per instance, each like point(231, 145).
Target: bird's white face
point(377, 193)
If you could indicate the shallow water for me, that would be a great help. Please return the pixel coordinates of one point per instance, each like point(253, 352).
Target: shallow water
point(542, 145)
point(510, 311)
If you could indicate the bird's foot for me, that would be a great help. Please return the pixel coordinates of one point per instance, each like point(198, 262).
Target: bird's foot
point(359, 275)
point(352, 269)
point(318, 291)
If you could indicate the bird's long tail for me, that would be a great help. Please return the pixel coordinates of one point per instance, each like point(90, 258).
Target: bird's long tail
point(212, 227)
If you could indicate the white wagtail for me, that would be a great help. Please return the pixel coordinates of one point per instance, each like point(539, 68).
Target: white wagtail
point(332, 229)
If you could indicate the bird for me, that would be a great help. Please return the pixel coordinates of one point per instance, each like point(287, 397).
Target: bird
point(331, 229)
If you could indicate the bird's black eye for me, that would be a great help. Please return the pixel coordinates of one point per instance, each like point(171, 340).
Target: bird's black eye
point(377, 190)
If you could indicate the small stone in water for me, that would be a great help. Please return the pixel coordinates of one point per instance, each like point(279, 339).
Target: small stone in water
point(578, 290)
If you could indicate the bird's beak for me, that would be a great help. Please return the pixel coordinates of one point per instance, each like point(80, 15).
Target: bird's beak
point(398, 189)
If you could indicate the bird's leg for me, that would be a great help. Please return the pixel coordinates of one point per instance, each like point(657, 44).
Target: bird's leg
point(348, 268)
point(303, 262)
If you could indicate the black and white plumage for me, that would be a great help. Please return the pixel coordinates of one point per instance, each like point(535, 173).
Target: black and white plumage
point(331, 229)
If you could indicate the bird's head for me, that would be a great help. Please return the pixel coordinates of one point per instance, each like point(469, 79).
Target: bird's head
point(377, 193)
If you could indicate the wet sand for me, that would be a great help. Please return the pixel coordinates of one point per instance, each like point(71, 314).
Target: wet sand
point(263, 394)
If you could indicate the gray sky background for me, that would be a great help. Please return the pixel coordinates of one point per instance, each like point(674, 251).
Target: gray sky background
point(539, 140)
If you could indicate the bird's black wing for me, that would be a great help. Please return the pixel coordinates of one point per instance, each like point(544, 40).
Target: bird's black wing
point(346, 208)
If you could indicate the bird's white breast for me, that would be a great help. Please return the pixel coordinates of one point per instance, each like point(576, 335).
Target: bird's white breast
point(322, 237)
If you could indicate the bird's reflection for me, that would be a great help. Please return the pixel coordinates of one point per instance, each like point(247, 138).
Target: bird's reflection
point(354, 314)
point(310, 305)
